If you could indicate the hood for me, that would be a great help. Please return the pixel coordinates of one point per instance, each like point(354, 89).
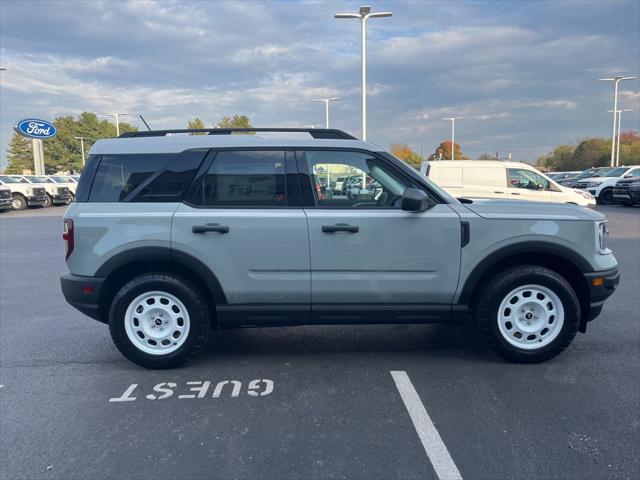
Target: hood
point(523, 209)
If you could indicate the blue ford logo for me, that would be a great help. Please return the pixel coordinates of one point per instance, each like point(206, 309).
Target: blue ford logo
point(34, 128)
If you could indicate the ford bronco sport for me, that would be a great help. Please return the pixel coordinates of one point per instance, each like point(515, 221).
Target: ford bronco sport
point(173, 234)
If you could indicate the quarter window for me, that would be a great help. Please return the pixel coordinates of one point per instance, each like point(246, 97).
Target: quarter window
point(246, 178)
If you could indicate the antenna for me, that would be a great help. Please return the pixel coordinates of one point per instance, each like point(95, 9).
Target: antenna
point(145, 123)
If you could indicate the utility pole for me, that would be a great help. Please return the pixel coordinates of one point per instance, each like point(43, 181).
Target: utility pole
point(117, 117)
point(81, 148)
point(363, 15)
point(615, 81)
point(326, 102)
point(453, 134)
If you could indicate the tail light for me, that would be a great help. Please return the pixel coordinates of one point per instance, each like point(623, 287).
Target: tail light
point(67, 236)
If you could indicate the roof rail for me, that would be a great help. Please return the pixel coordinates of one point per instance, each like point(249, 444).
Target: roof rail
point(329, 133)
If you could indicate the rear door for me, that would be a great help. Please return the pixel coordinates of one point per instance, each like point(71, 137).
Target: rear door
point(244, 221)
point(367, 253)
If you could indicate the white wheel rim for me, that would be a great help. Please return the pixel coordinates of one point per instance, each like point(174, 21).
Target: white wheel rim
point(530, 317)
point(157, 323)
point(17, 203)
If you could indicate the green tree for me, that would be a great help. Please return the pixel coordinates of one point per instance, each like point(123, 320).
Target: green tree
point(19, 154)
point(591, 152)
point(406, 154)
point(560, 157)
point(443, 152)
point(629, 148)
point(196, 124)
point(486, 156)
point(63, 152)
point(237, 121)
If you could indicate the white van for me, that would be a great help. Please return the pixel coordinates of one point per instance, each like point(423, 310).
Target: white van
point(495, 179)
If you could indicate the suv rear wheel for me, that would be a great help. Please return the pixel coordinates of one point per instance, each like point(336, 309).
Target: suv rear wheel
point(158, 320)
point(528, 314)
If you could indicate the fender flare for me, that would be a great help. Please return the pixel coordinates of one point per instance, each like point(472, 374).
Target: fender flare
point(530, 247)
point(166, 254)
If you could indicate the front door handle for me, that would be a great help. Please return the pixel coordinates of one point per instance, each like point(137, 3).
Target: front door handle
point(340, 227)
point(515, 193)
point(498, 191)
point(210, 227)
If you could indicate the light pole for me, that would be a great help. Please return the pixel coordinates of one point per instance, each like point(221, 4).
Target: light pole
point(453, 134)
point(117, 117)
point(81, 147)
point(615, 81)
point(364, 14)
point(619, 112)
point(326, 102)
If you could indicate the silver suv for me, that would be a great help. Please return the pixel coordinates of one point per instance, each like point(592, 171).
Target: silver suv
point(173, 234)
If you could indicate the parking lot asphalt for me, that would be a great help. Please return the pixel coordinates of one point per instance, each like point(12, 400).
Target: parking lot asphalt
point(71, 407)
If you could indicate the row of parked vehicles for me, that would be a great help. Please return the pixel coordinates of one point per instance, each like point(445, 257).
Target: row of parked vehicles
point(19, 192)
point(607, 184)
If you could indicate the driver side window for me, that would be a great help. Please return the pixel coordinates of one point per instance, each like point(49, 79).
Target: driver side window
point(344, 179)
point(521, 178)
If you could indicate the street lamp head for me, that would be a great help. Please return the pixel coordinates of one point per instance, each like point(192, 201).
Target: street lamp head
point(332, 99)
point(380, 14)
point(79, 138)
point(346, 15)
point(364, 10)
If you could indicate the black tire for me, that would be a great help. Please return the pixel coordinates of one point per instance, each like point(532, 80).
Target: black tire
point(48, 202)
point(19, 202)
point(499, 286)
point(606, 197)
point(186, 293)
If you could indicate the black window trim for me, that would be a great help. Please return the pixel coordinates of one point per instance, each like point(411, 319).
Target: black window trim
point(306, 185)
point(293, 201)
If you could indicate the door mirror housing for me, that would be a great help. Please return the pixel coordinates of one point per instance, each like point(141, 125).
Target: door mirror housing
point(415, 200)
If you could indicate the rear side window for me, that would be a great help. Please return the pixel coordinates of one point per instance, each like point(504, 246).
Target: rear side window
point(86, 178)
point(251, 178)
point(120, 175)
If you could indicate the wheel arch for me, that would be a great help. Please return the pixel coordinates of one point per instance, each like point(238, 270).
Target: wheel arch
point(127, 265)
point(562, 260)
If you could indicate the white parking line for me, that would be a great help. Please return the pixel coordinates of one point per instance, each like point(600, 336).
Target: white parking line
point(434, 446)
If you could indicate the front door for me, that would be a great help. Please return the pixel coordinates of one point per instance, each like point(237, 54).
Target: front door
point(242, 223)
point(528, 185)
point(366, 250)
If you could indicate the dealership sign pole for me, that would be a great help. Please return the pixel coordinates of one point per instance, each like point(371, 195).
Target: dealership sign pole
point(37, 130)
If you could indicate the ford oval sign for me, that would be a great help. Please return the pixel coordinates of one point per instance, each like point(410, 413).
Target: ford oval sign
point(34, 128)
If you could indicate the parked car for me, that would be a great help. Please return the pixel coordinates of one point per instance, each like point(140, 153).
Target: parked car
point(590, 172)
point(627, 191)
point(601, 187)
point(557, 176)
point(55, 194)
point(5, 199)
point(66, 181)
point(495, 179)
point(162, 246)
point(24, 195)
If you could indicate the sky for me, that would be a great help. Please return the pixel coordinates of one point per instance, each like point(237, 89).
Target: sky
point(521, 73)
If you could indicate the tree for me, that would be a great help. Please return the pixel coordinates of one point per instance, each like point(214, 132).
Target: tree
point(19, 155)
point(629, 148)
point(63, 152)
point(195, 124)
point(237, 121)
point(591, 152)
point(486, 156)
point(404, 153)
point(560, 157)
point(443, 152)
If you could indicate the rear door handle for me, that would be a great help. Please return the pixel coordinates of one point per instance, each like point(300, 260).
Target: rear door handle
point(210, 227)
point(515, 193)
point(340, 227)
point(498, 191)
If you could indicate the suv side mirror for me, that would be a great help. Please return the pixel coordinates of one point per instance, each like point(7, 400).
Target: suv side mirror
point(415, 200)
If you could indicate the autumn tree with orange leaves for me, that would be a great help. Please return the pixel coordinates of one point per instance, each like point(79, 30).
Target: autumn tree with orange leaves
point(404, 153)
point(443, 152)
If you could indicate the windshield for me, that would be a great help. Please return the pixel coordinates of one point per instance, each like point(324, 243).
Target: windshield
point(37, 179)
point(60, 179)
point(616, 172)
point(8, 179)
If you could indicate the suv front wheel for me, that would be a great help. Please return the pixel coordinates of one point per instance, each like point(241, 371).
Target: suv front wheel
point(528, 314)
point(158, 320)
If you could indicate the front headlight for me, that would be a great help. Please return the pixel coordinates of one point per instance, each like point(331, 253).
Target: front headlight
point(603, 237)
point(593, 184)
